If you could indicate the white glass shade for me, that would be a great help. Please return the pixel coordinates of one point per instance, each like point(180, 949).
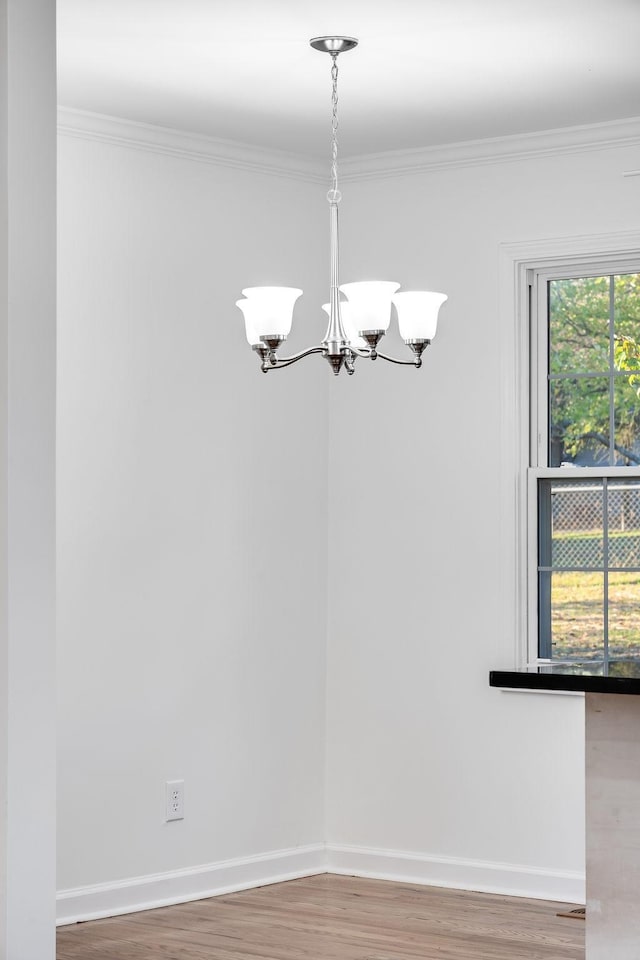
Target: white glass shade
point(249, 310)
point(349, 329)
point(273, 312)
point(370, 303)
point(418, 313)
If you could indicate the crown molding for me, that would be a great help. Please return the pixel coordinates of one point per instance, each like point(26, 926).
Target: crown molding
point(85, 125)
point(137, 135)
point(526, 146)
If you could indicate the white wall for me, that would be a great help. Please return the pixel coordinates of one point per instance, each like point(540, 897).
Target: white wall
point(424, 757)
point(193, 500)
point(192, 497)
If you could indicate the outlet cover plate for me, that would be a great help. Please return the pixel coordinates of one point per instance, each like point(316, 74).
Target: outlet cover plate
point(174, 800)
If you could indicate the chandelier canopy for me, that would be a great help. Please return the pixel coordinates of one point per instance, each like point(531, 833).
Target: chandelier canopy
point(356, 324)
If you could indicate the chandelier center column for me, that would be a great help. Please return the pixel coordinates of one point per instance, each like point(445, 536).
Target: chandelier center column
point(335, 339)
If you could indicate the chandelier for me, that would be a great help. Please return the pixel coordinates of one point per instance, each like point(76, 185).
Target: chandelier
point(357, 324)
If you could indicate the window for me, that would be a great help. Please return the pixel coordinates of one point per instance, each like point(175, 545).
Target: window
point(584, 583)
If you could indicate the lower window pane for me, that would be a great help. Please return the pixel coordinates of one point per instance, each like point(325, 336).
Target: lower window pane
point(624, 621)
point(623, 497)
point(577, 615)
point(577, 523)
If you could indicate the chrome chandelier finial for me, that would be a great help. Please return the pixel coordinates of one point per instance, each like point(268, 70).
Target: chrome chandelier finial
point(357, 324)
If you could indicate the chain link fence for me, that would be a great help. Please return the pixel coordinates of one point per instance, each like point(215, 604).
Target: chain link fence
point(579, 532)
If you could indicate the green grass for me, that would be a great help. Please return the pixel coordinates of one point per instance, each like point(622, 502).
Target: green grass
point(577, 603)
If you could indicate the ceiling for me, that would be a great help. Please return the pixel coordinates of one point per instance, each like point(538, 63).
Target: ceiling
point(426, 72)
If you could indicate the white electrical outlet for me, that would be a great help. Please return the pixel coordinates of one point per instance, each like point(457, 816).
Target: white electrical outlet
point(174, 800)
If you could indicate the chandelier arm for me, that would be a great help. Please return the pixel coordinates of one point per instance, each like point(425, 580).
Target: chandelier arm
point(415, 362)
point(281, 362)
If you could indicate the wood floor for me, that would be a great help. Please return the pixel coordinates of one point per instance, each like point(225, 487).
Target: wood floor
point(334, 918)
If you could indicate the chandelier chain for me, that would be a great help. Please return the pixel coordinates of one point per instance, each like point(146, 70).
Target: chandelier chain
point(334, 126)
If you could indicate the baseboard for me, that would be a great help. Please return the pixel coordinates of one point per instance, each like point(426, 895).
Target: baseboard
point(484, 876)
point(213, 879)
point(182, 886)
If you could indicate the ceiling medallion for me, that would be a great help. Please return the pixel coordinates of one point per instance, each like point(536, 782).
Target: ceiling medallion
point(356, 324)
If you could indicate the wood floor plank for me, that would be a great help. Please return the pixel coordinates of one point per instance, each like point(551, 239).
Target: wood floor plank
point(331, 917)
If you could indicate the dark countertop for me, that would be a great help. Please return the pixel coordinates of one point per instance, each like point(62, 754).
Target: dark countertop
point(623, 677)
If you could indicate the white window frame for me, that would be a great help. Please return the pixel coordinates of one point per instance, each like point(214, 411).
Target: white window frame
point(539, 422)
point(525, 269)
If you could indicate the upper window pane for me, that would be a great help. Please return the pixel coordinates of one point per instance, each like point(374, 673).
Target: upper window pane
point(579, 421)
point(627, 306)
point(579, 325)
point(594, 371)
point(627, 422)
